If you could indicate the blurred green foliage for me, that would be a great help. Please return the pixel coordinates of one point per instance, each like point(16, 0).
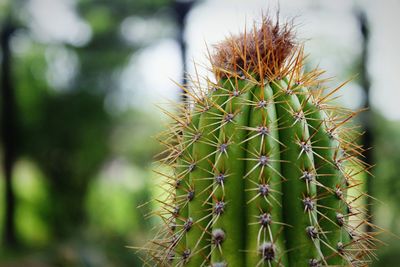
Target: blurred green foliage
point(82, 170)
point(387, 187)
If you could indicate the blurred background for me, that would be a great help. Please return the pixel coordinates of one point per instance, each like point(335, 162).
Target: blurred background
point(80, 81)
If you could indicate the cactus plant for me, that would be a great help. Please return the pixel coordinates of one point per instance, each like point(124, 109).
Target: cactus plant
point(262, 165)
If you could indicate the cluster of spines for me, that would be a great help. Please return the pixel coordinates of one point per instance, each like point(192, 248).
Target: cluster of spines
point(262, 167)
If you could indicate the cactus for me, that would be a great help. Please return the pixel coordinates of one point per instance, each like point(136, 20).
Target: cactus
point(264, 170)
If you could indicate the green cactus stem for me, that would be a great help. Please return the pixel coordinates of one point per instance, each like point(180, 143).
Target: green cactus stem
point(261, 165)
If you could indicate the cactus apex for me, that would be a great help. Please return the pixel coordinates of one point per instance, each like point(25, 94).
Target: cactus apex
point(262, 52)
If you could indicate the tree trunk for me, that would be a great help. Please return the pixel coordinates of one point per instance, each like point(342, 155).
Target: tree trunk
point(181, 9)
point(368, 137)
point(8, 134)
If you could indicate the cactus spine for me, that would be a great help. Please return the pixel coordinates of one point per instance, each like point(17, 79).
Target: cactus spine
point(261, 165)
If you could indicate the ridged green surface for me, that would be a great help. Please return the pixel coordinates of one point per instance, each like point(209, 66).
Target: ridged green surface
point(332, 207)
point(250, 189)
point(204, 149)
point(262, 167)
point(297, 158)
point(230, 190)
point(263, 139)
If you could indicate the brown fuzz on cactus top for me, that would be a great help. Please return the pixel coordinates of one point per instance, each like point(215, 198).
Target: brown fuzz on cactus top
point(260, 168)
point(263, 51)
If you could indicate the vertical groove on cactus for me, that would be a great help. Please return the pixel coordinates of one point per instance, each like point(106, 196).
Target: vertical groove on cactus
point(263, 180)
point(261, 169)
point(331, 207)
point(184, 190)
point(231, 191)
point(200, 209)
point(299, 205)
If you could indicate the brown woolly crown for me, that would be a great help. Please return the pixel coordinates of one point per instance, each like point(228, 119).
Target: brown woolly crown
point(261, 52)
